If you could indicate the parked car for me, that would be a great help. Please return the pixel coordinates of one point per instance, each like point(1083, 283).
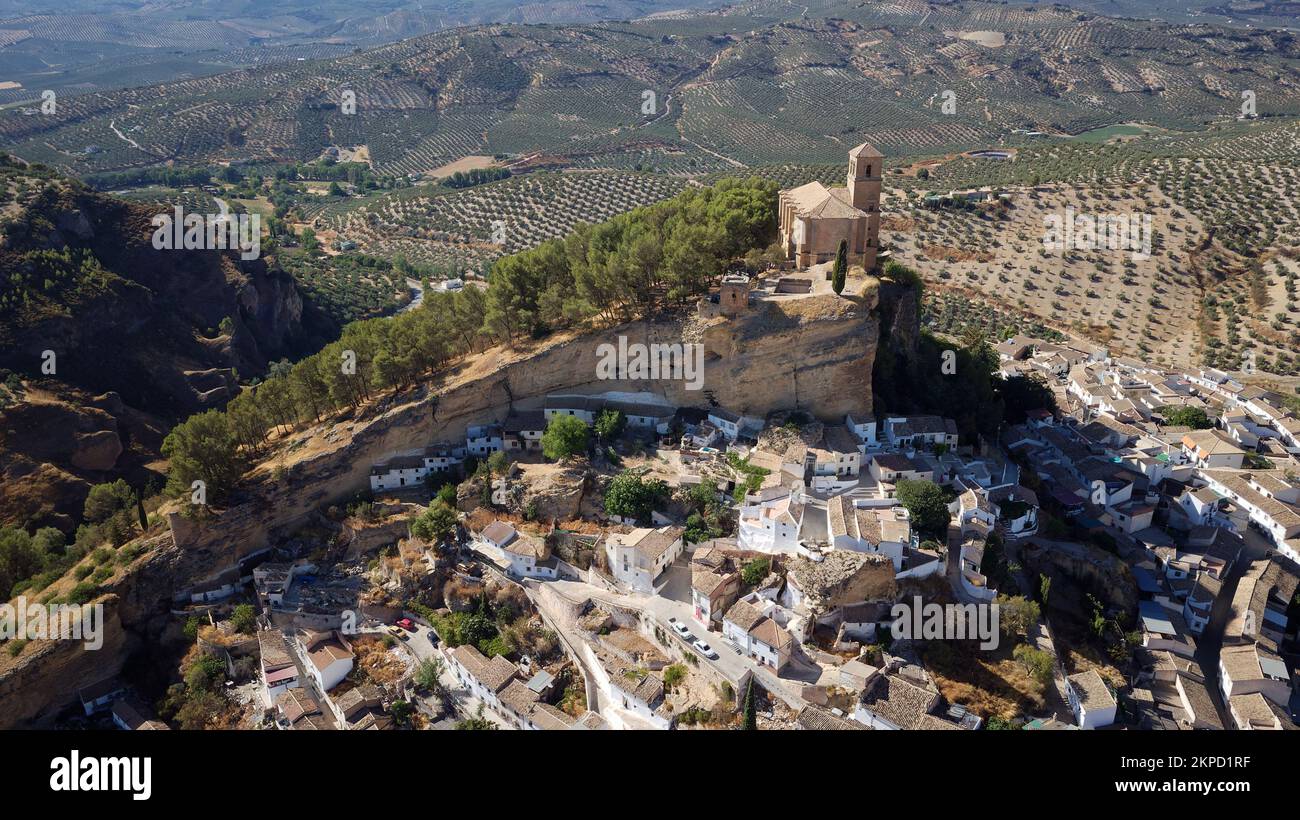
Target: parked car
point(396, 633)
point(681, 629)
point(706, 650)
point(432, 636)
point(406, 623)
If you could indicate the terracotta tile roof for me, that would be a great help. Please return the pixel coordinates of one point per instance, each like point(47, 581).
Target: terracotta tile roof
point(817, 719)
point(328, 652)
point(1091, 689)
point(1254, 710)
point(898, 701)
point(274, 650)
point(656, 542)
point(639, 683)
point(546, 716)
point(771, 634)
point(744, 615)
point(498, 532)
point(493, 674)
point(518, 697)
point(528, 546)
point(866, 150)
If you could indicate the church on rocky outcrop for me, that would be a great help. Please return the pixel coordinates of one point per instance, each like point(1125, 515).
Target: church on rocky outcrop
point(815, 218)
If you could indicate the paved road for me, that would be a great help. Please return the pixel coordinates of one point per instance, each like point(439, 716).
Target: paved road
point(730, 662)
point(462, 702)
point(1210, 643)
point(417, 295)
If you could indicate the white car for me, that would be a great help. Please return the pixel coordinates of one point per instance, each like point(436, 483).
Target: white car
point(706, 650)
point(680, 627)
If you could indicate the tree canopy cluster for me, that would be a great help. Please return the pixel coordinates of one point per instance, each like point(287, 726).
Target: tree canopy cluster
point(437, 523)
point(667, 253)
point(475, 176)
point(658, 255)
point(1193, 417)
point(565, 436)
point(959, 379)
point(633, 497)
point(168, 177)
point(927, 504)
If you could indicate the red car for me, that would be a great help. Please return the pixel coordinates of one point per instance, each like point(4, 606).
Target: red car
point(406, 623)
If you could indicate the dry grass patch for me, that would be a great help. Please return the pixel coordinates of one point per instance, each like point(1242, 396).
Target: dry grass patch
point(376, 662)
point(987, 683)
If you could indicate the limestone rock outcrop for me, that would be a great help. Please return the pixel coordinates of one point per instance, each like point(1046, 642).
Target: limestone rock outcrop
point(816, 356)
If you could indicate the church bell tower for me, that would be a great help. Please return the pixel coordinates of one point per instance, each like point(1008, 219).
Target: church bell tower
point(865, 178)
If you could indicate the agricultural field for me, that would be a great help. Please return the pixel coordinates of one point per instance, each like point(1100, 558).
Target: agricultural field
point(467, 229)
point(1227, 236)
point(957, 314)
point(347, 286)
point(1055, 108)
point(80, 46)
point(1141, 305)
point(761, 83)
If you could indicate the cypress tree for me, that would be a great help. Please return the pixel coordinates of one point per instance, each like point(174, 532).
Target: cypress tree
point(841, 270)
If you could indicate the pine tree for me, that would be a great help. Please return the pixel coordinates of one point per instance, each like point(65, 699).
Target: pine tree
point(841, 267)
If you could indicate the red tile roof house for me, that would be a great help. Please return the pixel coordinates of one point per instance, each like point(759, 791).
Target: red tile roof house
point(329, 658)
point(529, 557)
point(1091, 700)
point(715, 583)
point(757, 635)
point(498, 684)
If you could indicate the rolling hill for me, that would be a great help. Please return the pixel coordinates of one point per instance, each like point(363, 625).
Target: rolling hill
point(1128, 114)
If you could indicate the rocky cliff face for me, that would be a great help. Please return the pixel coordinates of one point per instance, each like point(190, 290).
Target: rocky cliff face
point(46, 676)
point(96, 310)
point(138, 631)
point(1078, 570)
point(815, 354)
point(121, 315)
point(51, 448)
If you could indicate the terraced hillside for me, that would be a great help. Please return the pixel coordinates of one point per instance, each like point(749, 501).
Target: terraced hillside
point(80, 46)
point(1087, 112)
point(758, 83)
point(474, 227)
point(1225, 205)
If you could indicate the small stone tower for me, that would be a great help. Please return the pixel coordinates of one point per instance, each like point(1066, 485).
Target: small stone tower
point(864, 177)
point(733, 296)
point(866, 166)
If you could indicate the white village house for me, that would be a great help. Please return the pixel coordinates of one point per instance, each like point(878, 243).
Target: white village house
point(637, 558)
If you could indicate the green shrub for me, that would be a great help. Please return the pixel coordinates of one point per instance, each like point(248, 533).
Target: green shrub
point(83, 592)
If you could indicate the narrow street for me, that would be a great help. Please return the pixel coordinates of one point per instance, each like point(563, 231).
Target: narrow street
point(463, 704)
point(674, 602)
point(1210, 643)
